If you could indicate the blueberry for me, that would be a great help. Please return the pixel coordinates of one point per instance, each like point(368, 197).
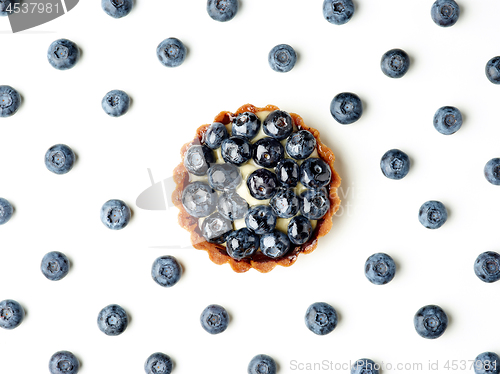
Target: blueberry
point(261, 219)
point(199, 199)
point(224, 177)
point(117, 8)
point(430, 321)
point(242, 243)
point(232, 206)
point(487, 267)
point(282, 58)
point(214, 319)
point(11, 314)
point(287, 172)
point(55, 265)
point(63, 54)
point(10, 100)
point(215, 134)
point(158, 363)
point(215, 228)
point(166, 271)
point(315, 173)
point(447, 120)
point(236, 150)
point(321, 318)
point(492, 171)
point(112, 320)
point(493, 70)
point(487, 363)
point(395, 63)
point(346, 108)
point(314, 203)
point(365, 366)
point(63, 362)
point(432, 214)
point(445, 13)
point(115, 214)
point(171, 52)
point(59, 159)
point(395, 164)
point(267, 152)
point(380, 268)
point(299, 230)
point(278, 124)
point(222, 10)
point(246, 125)
point(274, 244)
point(300, 145)
point(6, 210)
point(262, 184)
point(198, 159)
point(8, 6)
point(338, 12)
point(262, 364)
point(285, 203)
point(115, 103)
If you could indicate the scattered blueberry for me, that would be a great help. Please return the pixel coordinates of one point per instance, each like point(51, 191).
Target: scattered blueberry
point(224, 177)
point(232, 206)
point(198, 159)
point(314, 203)
point(487, 363)
point(282, 58)
point(55, 265)
point(487, 267)
point(285, 203)
point(59, 159)
point(158, 363)
point(63, 362)
point(6, 210)
point(166, 271)
point(262, 364)
point(215, 228)
point(346, 108)
point(278, 124)
point(299, 230)
point(236, 150)
point(63, 54)
point(115, 214)
point(11, 314)
point(432, 214)
point(300, 145)
point(171, 52)
point(260, 219)
point(321, 318)
point(445, 13)
point(492, 171)
point(493, 70)
point(380, 268)
point(222, 10)
point(395, 164)
point(262, 184)
point(430, 321)
point(447, 120)
point(214, 319)
point(246, 125)
point(10, 100)
point(8, 6)
point(115, 103)
point(199, 199)
point(274, 244)
point(315, 173)
point(117, 8)
point(215, 134)
point(338, 12)
point(395, 63)
point(365, 366)
point(267, 152)
point(112, 320)
point(242, 243)
point(287, 172)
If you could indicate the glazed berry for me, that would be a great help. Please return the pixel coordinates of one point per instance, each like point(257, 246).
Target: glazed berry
point(262, 364)
point(493, 70)
point(338, 12)
point(215, 134)
point(8, 6)
point(115, 214)
point(215, 228)
point(299, 230)
point(447, 120)
point(63, 54)
point(274, 244)
point(492, 171)
point(55, 266)
point(166, 271)
point(236, 150)
point(242, 243)
point(261, 219)
point(346, 108)
point(224, 177)
point(267, 152)
point(64, 362)
point(395, 164)
point(10, 100)
point(315, 173)
point(365, 366)
point(262, 184)
point(158, 363)
point(59, 159)
point(287, 172)
point(314, 203)
point(214, 319)
point(300, 145)
point(246, 125)
point(171, 52)
point(198, 159)
point(395, 63)
point(115, 103)
point(380, 268)
point(487, 363)
point(432, 214)
point(232, 206)
point(112, 320)
point(117, 8)
point(282, 58)
point(430, 321)
point(11, 314)
point(278, 124)
point(487, 267)
point(199, 199)
point(222, 10)
point(445, 13)
point(6, 210)
point(321, 318)
point(285, 203)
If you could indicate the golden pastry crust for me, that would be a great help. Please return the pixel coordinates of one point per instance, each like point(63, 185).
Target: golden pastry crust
point(217, 253)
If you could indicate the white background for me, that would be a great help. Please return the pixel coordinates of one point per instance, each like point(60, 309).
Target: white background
point(227, 67)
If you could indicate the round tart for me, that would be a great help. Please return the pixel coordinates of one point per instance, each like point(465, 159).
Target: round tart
point(256, 188)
